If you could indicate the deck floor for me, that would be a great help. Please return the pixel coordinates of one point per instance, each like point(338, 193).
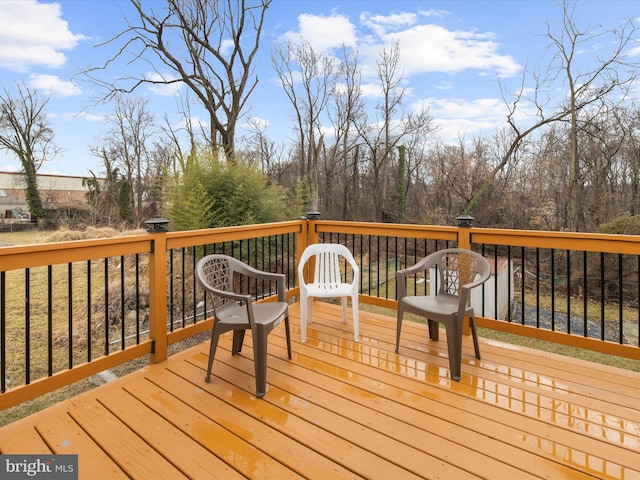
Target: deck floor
point(341, 409)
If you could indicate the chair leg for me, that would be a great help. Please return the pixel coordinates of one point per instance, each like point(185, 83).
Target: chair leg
point(215, 335)
point(398, 325)
point(344, 309)
point(309, 310)
point(474, 333)
point(434, 329)
point(260, 359)
point(288, 334)
point(238, 339)
point(303, 319)
point(354, 310)
point(454, 345)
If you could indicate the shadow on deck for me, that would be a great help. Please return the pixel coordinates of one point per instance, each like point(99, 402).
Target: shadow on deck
point(341, 409)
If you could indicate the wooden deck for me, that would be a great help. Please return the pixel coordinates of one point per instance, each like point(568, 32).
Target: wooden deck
point(341, 409)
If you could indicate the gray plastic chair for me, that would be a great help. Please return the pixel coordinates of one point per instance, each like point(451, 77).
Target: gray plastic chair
point(458, 271)
point(238, 312)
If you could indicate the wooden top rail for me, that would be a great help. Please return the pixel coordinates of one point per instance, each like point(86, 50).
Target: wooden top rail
point(387, 229)
point(225, 234)
point(590, 242)
point(29, 256)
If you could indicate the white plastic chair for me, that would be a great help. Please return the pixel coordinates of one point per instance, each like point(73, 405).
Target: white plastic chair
point(328, 282)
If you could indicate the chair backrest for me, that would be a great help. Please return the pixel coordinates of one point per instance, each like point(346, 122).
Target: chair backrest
point(216, 272)
point(457, 267)
point(328, 260)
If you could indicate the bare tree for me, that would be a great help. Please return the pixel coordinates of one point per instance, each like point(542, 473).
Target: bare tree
point(347, 111)
point(629, 120)
point(207, 45)
point(259, 148)
point(25, 132)
point(103, 191)
point(127, 144)
point(307, 77)
point(590, 88)
point(391, 126)
point(589, 93)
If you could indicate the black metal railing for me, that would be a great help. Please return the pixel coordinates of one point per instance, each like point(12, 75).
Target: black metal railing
point(187, 303)
point(71, 313)
point(380, 256)
point(72, 309)
point(581, 292)
point(578, 292)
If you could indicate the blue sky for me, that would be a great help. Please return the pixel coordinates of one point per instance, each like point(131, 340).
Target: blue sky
point(452, 53)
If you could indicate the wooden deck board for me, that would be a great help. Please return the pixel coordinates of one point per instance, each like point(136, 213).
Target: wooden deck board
point(345, 409)
point(125, 447)
point(384, 416)
point(147, 416)
point(267, 435)
point(64, 435)
point(485, 420)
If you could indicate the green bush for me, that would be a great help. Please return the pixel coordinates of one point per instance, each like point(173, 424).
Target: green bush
point(213, 193)
point(624, 225)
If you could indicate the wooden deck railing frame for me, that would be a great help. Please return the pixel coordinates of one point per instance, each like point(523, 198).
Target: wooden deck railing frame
point(588, 242)
point(157, 244)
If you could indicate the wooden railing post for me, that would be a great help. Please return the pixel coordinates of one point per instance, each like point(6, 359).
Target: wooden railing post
point(465, 222)
point(312, 232)
point(302, 238)
point(158, 289)
point(308, 236)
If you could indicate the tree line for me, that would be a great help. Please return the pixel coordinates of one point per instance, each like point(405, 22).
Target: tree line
point(574, 164)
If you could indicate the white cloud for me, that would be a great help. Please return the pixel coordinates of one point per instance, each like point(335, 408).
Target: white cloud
point(371, 90)
point(429, 47)
point(226, 47)
point(325, 32)
point(257, 123)
point(473, 109)
point(195, 123)
point(88, 117)
point(33, 34)
point(381, 25)
point(452, 130)
point(443, 85)
point(53, 84)
point(434, 13)
point(91, 118)
point(164, 90)
point(424, 47)
point(457, 118)
point(432, 48)
point(8, 167)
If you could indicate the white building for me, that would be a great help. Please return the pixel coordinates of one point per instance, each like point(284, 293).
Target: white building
point(499, 278)
point(55, 191)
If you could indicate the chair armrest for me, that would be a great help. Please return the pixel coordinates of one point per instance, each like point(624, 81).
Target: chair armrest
point(356, 270)
point(421, 265)
point(401, 275)
point(465, 292)
point(279, 278)
point(239, 297)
